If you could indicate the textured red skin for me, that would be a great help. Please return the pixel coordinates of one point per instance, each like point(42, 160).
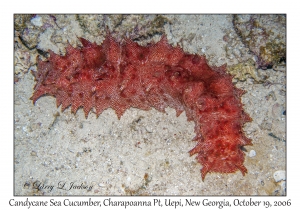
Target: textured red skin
point(123, 75)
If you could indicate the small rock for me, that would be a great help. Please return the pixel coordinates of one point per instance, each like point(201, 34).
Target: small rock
point(279, 175)
point(252, 153)
point(33, 153)
point(71, 149)
point(30, 37)
point(149, 129)
point(101, 185)
point(37, 21)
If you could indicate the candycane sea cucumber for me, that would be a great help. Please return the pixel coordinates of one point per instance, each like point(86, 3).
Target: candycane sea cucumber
point(123, 75)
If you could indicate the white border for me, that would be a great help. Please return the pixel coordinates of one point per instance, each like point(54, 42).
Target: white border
point(156, 6)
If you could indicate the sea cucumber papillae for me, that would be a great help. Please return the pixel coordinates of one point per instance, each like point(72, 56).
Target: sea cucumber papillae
point(123, 75)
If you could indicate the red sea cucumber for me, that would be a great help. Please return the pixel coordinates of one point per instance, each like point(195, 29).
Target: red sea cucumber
point(123, 75)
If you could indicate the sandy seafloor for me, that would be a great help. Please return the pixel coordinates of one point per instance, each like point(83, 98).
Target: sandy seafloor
point(145, 152)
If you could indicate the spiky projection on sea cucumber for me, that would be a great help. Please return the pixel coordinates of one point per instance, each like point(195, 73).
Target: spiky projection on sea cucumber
point(123, 75)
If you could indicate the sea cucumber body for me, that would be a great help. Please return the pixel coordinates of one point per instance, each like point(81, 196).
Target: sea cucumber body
point(123, 75)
